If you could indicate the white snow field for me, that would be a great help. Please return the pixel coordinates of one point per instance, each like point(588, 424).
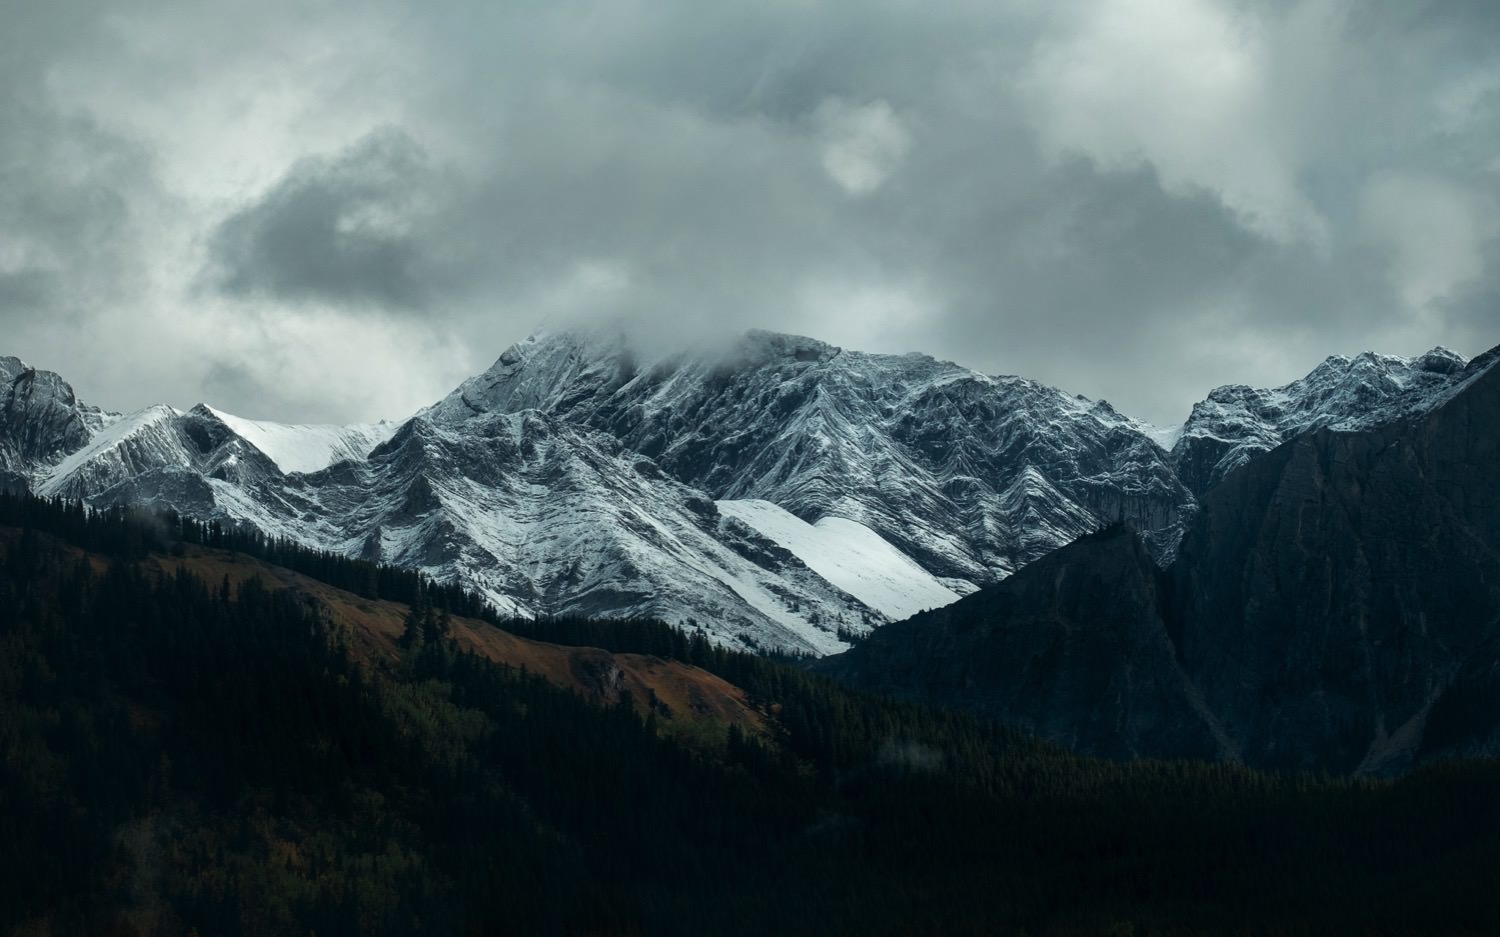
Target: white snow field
point(307, 447)
point(850, 556)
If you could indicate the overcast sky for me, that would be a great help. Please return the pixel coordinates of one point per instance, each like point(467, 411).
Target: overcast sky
point(327, 211)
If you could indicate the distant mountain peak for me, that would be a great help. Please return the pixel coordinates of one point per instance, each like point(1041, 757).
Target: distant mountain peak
point(12, 367)
point(1235, 421)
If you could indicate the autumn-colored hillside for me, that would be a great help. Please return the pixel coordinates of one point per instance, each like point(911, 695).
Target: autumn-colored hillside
point(682, 696)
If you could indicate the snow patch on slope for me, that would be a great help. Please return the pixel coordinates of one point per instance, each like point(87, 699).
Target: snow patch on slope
point(850, 556)
point(308, 447)
point(1164, 436)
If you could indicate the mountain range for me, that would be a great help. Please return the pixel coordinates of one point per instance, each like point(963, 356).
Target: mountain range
point(776, 493)
point(1334, 604)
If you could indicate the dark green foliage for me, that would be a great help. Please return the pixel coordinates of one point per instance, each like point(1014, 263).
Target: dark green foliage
point(171, 759)
point(131, 533)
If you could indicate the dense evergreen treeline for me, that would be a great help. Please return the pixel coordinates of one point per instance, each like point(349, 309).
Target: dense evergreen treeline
point(131, 533)
point(175, 756)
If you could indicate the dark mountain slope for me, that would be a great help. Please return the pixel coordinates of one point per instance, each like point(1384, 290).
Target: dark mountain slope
point(1334, 605)
point(1074, 648)
point(1334, 591)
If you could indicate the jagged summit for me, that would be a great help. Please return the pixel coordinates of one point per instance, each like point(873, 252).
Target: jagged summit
point(1343, 393)
point(598, 358)
point(971, 475)
point(41, 419)
point(12, 367)
point(758, 346)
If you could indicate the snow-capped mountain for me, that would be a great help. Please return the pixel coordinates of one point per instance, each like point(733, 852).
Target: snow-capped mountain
point(543, 517)
point(156, 439)
point(972, 476)
point(1236, 422)
point(539, 515)
point(774, 492)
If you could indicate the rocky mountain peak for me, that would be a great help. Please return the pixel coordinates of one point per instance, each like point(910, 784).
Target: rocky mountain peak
point(757, 346)
point(11, 368)
point(41, 419)
point(1236, 421)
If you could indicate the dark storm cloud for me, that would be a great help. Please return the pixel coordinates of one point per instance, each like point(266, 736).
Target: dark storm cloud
point(1133, 199)
point(347, 230)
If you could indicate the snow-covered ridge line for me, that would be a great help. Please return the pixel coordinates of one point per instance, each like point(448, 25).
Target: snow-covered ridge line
point(307, 447)
point(925, 453)
point(1344, 394)
point(105, 441)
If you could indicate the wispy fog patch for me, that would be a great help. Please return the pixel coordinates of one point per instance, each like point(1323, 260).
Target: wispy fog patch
point(909, 756)
point(863, 144)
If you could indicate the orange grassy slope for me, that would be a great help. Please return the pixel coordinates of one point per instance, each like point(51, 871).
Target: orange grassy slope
point(680, 694)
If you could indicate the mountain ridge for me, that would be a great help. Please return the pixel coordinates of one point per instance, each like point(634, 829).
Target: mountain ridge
point(1334, 605)
point(957, 479)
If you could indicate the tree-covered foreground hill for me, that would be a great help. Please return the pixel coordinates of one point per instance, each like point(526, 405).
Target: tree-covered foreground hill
point(203, 731)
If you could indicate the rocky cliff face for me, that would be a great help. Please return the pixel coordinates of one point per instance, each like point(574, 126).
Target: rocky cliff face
point(41, 420)
point(1341, 592)
point(1334, 605)
point(1235, 423)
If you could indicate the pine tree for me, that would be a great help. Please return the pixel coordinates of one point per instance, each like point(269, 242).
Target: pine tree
point(436, 625)
point(417, 621)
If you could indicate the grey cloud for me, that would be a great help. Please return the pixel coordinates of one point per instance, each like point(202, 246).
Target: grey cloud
point(228, 379)
point(67, 218)
point(1473, 310)
point(681, 163)
point(348, 229)
point(75, 199)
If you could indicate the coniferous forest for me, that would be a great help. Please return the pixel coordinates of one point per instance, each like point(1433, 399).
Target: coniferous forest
point(184, 756)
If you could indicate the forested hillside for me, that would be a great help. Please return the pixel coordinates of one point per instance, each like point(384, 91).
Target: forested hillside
point(229, 756)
